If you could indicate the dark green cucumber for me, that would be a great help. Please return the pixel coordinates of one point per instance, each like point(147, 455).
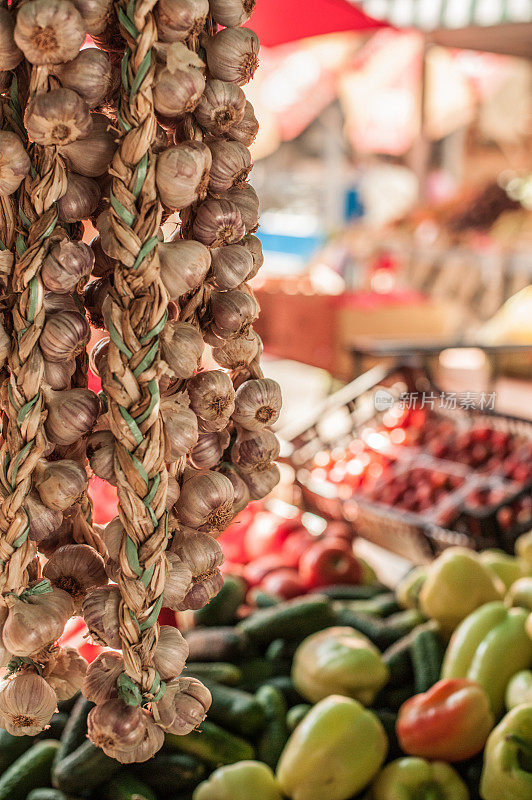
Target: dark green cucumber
point(381, 605)
point(57, 726)
point(296, 714)
point(45, 793)
point(398, 625)
point(235, 710)
point(294, 619)
point(221, 610)
point(354, 592)
point(167, 773)
point(254, 672)
point(216, 644)
point(125, 786)
point(388, 721)
point(219, 671)
point(470, 771)
point(212, 744)
point(272, 740)
point(264, 599)
point(371, 626)
point(399, 662)
point(393, 698)
point(66, 706)
point(75, 730)
point(427, 653)
point(11, 747)
point(84, 769)
point(30, 771)
point(283, 683)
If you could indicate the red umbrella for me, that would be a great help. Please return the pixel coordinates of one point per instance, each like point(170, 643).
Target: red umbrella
point(280, 21)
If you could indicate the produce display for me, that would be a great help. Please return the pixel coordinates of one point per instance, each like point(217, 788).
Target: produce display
point(124, 114)
point(353, 692)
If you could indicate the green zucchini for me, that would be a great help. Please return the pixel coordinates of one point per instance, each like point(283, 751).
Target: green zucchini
point(283, 683)
point(349, 591)
point(254, 672)
point(11, 747)
point(221, 610)
point(167, 772)
point(125, 786)
point(399, 662)
point(371, 626)
point(388, 720)
point(235, 710)
point(46, 793)
point(272, 740)
point(66, 706)
point(30, 771)
point(380, 605)
point(427, 656)
point(294, 619)
point(219, 671)
point(296, 714)
point(216, 644)
point(83, 769)
point(212, 744)
point(57, 726)
point(398, 625)
point(75, 730)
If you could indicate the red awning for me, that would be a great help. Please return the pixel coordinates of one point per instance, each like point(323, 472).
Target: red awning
point(281, 21)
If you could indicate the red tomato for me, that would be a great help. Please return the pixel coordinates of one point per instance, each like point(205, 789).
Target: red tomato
point(285, 583)
point(329, 562)
point(295, 544)
point(267, 533)
point(256, 571)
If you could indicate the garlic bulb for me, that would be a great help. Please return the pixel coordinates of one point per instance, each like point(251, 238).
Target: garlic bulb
point(221, 107)
point(67, 674)
point(206, 502)
point(112, 536)
point(43, 520)
point(257, 404)
point(80, 199)
point(65, 265)
point(245, 130)
point(90, 74)
point(239, 487)
point(237, 353)
point(231, 163)
point(182, 174)
point(96, 14)
point(178, 582)
point(170, 653)
point(35, 620)
point(245, 198)
point(49, 31)
point(102, 674)
point(60, 483)
point(27, 703)
point(218, 222)
point(177, 91)
point(254, 450)
point(14, 161)
point(209, 450)
point(261, 483)
point(61, 535)
point(91, 155)
point(116, 727)
point(75, 568)
point(254, 245)
point(103, 264)
point(212, 396)
point(180, 426)
point(10, 55)
point(101, 454)
point(233, 312)
point(71, 415)
point(183, 706)
point(230, 266)
point(58, 376)
point(57, 117)
point(184, 265)
point(179, 20)
point(100, 612)
point(203, 555)
point(231, 13)
point(181, 348)
point(233, 55)
point(152, 741)
point(95, 294)
point(64, 336)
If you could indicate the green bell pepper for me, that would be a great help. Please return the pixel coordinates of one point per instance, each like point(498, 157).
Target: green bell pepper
point(408, 589)
point(508, 568)
point(457, 583)
point(507, 771)
point(338, 661)
point(417, 779)
point(334, 753)
point(520, 594)
point(489, 647)
point(240, 781)
point(523, 547)
point(519, 689)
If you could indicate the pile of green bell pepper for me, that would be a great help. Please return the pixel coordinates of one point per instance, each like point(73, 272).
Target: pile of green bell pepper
point(507, 771)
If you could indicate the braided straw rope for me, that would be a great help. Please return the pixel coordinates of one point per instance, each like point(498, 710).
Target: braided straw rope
point(138, 313)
